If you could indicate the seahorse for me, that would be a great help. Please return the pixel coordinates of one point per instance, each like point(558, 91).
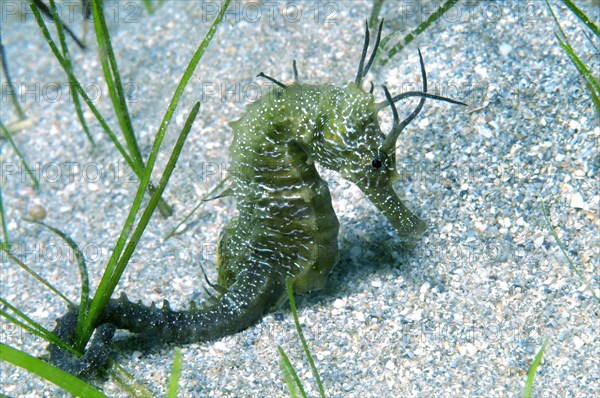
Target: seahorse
point(286, 227)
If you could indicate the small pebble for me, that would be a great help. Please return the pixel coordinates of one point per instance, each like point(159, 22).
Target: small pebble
point(37, 212)
point(505, 49)
point(577, 201)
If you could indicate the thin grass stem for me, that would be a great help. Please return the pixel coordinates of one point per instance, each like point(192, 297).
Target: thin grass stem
point(118, 261)
point(11, 87)
point(582, 17)
point(135, 167)
point(386, 55)
point(175, 374)
point(590, 81)
point(128, 383)
point(67, 57)
point(35, 275)
point(564, 252)
point(15, 148)
point(309, 358)
point(113, 82)
point(377, 4)
point(5, 239)
point(290, 375)
point(204, 199)
point(33, 327)
point(83, 271)
point(533, 369)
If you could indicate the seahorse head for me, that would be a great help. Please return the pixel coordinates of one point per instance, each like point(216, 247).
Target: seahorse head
point(354, 145)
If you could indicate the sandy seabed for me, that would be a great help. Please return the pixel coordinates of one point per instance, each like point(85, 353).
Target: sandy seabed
point(463, 313)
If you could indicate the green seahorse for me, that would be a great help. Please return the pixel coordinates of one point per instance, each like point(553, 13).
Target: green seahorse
point(286, 227)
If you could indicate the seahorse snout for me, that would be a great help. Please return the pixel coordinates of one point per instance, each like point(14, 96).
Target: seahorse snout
point(387, 201)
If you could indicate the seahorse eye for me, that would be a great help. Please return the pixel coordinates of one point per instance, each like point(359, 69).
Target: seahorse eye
point(377, 163)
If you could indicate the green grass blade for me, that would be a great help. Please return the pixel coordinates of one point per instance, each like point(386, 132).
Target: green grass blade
point(113, 82)
point(12, 92)
point(385, 55)
point(564, 251)
point(113, 270)
point(585, 73)
point(79, 112)
point(54, 375)
point(35, 275)
point(139, 172)
point(7, 135)
point(33, 327)
point(190, 69)
point(148, 6)
point(117, 96)
point(590, 81)
point(313, 368)
point(3, 218)
point(67, 57)
point(147, 213)
point(187, 217)
point(41, 6)
point(290, 375)
point(117, 263)
point(175, 374)
point(533, 369)
point(377, 4)
point(24, 326)
point(81, 91)
point(85, 283)
point(564, 41)
point(582, 17)
point(16, 321)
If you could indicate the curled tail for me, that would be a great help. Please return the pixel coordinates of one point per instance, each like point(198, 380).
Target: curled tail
point(245, 301)
point(253, 293)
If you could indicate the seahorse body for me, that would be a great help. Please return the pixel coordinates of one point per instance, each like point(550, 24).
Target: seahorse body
point(286, 226)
